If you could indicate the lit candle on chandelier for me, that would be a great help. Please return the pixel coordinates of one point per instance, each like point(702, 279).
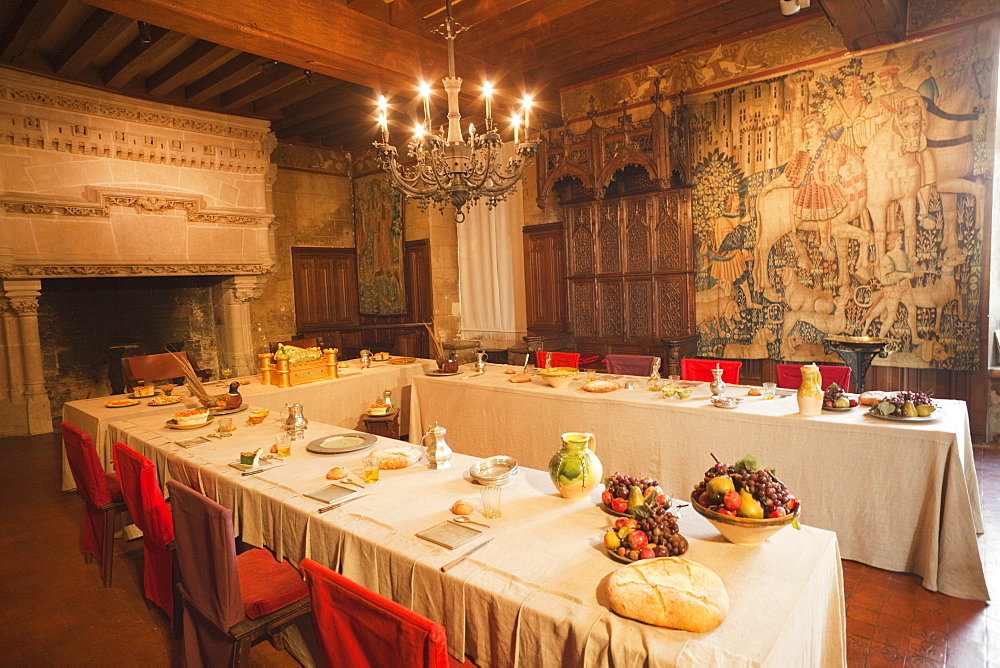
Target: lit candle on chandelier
point(516, 120)
point(488, 91)
point(425, 90)
point(383, 120)
point(527, 112)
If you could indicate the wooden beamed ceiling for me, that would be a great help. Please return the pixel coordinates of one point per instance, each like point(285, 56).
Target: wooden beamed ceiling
point(314, 67)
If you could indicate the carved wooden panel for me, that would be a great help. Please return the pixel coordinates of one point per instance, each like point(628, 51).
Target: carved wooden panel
point(673, 312)
point(325, 281)
point(612, 309)
point(544, 278)
point(583, 313)
point(672, 253)
point(609, 238)
point(636, 235)
point(582, 239)
point(639, 307)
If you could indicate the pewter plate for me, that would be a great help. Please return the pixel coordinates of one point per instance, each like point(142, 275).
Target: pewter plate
point(341, 443)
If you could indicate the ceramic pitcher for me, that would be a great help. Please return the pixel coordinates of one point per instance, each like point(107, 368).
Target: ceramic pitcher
point(810, 394)
point(575, 469)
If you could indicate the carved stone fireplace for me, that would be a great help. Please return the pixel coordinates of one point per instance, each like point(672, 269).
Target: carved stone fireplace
point(96, 185)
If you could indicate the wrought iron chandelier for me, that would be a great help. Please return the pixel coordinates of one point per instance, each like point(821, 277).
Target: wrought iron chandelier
point(455, 169)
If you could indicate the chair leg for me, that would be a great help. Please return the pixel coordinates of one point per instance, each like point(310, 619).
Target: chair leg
point(242, 654)
point(108, 552)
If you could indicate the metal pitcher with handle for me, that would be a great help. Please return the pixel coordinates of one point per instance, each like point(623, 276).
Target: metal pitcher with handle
point(295, 422)
point(438, 452)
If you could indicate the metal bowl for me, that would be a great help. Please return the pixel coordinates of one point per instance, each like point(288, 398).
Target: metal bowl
point(496, 470)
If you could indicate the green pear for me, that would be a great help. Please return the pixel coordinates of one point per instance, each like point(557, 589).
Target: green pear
point(635, 497)
point(750, 507)
point(718, 486)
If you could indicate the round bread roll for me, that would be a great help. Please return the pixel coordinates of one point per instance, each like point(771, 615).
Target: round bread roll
point(601, 386)
point(753, 392)
point(336, 473)
point(672, 592)
point(871, 397)
point(520, 378)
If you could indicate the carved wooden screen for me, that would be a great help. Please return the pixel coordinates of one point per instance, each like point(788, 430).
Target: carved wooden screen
point(631, 272)
point(326, 288)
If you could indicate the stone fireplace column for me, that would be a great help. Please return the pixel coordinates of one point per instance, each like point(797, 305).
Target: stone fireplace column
point(235, 331)
point(26, 377)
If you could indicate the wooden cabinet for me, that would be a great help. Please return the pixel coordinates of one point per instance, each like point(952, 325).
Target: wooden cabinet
point(326, 288)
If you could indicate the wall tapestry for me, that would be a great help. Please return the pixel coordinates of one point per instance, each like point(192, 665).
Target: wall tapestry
point(378, 231)
point(847, 197)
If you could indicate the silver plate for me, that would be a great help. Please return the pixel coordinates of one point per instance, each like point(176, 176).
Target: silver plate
point(936, 415)
point(727, 402)
point(341, 443)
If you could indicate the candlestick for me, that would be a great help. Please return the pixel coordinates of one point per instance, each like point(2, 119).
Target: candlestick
point(517, 124)
point(384, 123)
point(527, 112)
point(425, 90)
point(488, 91)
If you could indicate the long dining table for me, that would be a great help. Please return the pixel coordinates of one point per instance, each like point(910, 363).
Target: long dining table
point(341, 401)
point(535, 594)
point(901, 496)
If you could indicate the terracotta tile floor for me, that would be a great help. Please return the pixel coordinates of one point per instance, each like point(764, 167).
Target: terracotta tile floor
point(55, 612)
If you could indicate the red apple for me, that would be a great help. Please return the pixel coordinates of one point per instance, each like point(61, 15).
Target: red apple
point(705, 499)
point(777, 512)
point(606, 497)
point(647, 553)
point(792, 504)
point(726, 511)
point(661, 499)
point(620, 522)
point(853, 402)
point(637, 539)
point(732, 500)
point(631, 522)
point(619, 505)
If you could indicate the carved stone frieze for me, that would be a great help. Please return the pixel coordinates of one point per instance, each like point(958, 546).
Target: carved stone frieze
point(244, 295)
point(54, 209)
point(129, 113)
point(141, 203)
point(138, 270)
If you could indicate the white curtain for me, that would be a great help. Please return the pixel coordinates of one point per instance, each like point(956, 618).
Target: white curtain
point(487, 242)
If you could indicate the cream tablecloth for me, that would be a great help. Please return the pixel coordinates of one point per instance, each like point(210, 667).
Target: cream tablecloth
point(902, 497)
point(535, 595)
point(341, 402)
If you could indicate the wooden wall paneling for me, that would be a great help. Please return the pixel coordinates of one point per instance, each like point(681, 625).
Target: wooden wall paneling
point(417, 274)
point(674, 310)
point(545, 279)
point(672, 232)
point(326, 288)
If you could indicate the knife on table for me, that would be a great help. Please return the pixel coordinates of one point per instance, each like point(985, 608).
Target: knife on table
point(340, 503)
point(455, 562)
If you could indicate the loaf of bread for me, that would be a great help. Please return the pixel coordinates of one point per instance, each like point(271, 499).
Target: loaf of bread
point(397, 457)
point(672, 592)
point(871, 397)
point(602, 386)
point(520, 378)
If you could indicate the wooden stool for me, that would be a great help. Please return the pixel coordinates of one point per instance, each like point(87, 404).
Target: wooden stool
point(383, 425)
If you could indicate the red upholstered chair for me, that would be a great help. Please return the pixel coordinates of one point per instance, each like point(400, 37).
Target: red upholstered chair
point(558, 359)
point(102, 498)
point(790, 375)
point(359, 628)
point(144, 498)
point(629, 365)
point(699, 369)
point(229, 601)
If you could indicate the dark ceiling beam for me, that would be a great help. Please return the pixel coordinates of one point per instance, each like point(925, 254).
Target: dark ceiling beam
point(196, 60)
point(28, 24)
point(345, 123)
point(87, 43)
point(270, 80)
point(329, 114)
point(231, 74)
point(319, 35)
point(133, 58)
point(867, 23)
point(271, 105)
point(536, 20)
point(319, 105)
